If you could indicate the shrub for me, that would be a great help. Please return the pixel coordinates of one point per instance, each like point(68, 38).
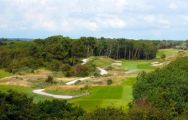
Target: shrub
point(58, 110)
point(49, 79)
point(109, 82)
point(16, 106)
point(163, 56)
point(105, 114)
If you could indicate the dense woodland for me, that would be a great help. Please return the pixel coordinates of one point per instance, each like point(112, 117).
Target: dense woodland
point(164, 92)
point(60, 53)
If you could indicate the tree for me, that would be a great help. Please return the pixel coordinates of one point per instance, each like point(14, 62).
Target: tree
point(58, 110)
point(50, 79)
point(17, 106)
point(165, 88)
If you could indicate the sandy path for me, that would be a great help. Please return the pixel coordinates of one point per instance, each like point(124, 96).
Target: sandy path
point(84, 61)
point(102, 71)
point(75, 81)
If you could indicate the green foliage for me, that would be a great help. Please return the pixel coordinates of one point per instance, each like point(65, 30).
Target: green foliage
point(163, 56)
point(165, 88)
point(50, 79)
point(17, 106)
point(142, 110)
point(109, 82)
point(105, 114)
point(53, 52)
point(58, 110)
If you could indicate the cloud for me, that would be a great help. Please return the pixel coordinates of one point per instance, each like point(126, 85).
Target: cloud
point(92, 16)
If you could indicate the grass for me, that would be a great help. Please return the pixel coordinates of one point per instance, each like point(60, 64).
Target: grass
point(3, 73)
point(167, 52)
point(137, 65)
point(25, 90)
point(103, 96)
point(66, 90)
point(101, 61)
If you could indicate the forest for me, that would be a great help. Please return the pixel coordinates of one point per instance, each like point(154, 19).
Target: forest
point(58, 52)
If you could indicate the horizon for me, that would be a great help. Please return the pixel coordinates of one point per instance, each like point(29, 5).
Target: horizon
point(131, 19)
point(91, 36)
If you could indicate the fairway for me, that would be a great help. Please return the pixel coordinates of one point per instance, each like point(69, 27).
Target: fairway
point(103, 96)
point(138, 65)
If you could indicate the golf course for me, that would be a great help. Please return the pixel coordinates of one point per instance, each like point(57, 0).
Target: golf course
point(97, 93)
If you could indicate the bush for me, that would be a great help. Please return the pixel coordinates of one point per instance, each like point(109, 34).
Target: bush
point(163, 56)
point(105, 114)
point(50, 79)
point(16, 106)
point(109, 82)
point(58, 110)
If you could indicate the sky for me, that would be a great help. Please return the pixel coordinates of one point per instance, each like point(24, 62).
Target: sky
point(135, 19)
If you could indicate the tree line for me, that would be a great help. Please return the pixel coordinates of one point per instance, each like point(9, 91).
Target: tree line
point(56, 52)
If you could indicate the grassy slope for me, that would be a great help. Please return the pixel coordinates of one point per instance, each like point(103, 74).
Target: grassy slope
point(101, 61)
point(118, 96)
point(167, 52)
point(3, 73)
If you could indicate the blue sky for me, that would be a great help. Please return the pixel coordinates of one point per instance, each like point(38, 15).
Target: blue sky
point(138, 19)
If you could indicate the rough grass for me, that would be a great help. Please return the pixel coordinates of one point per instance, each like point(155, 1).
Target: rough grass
point(103, 96)
point(101, 61)
point(3, 73)
point(66, 90)
point(167, 52)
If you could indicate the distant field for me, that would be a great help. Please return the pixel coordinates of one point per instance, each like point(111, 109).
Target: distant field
point(167, 52)
point(137, 65)
point(101, 61)
point(118, 96)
